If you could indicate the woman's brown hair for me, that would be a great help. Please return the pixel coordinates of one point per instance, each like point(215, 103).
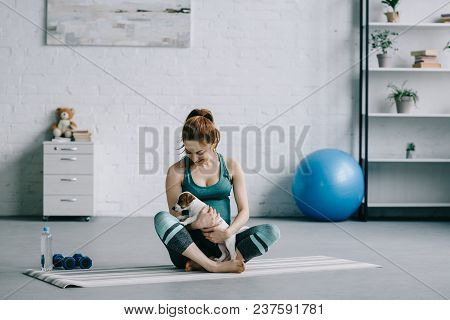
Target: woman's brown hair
point(199, 126)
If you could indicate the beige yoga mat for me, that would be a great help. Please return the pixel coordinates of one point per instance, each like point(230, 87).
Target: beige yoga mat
point(163, 274)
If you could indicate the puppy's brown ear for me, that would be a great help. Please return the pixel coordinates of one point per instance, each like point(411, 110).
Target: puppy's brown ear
point(190, 197)
point(185, 199)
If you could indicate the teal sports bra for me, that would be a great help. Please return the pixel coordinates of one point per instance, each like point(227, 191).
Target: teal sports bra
point(216, 195)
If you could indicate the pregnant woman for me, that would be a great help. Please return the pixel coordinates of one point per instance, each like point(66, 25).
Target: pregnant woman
point(210, 177)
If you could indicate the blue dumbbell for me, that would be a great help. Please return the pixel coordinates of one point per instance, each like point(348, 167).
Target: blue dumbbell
point(83, 262)
point(69, 263)
point(59, 261)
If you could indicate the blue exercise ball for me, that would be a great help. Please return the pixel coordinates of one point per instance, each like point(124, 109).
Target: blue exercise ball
point(328, 185)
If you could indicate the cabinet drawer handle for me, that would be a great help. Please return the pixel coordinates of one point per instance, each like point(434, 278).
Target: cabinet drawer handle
point(67, 149)
point(69, 200)
point(69, 179)
point(69, 159)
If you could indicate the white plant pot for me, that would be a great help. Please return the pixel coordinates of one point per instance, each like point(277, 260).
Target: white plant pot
point(392, 16)
point(410, 154)
point(384, 61)
point(405, 105)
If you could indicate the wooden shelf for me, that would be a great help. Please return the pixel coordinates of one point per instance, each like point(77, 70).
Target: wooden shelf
point(430, 25)
point(408, 70)
point(408, 204)
point(409, 115)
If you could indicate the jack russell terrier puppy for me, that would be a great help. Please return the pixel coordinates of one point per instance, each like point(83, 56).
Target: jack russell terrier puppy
point(187, 201)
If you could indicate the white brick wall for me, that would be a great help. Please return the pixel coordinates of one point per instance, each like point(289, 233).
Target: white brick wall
point(249, 61)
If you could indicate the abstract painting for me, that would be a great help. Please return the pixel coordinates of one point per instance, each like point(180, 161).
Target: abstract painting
point(148, 23)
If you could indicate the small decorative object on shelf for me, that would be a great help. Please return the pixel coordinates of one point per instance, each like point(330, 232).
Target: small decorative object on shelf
point(65, 125)
point(392, 16)
point(445, 17)
point(410, 150)
point(381, 40)
point(82, 135)
point(425, 59)
point(402, 97)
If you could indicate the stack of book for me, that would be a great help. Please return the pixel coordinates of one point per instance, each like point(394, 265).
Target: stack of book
point(425, 59)
point(82, 135)
point(61, 139)
point(445, 17)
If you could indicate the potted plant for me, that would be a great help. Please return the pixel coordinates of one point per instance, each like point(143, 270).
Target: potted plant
point(381, 40)
point(392, 16)
point(410, 150)
point(403, 97)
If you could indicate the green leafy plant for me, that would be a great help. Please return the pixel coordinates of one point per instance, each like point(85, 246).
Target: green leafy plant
point(398, 93)
point(410, 146)
point(447, 46)
point(382, 40)
point(391, 3)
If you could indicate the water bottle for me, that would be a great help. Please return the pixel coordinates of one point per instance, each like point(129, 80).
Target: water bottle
point(46, 250)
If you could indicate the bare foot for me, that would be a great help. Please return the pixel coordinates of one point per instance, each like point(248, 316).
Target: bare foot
point(239, 255)
point(193, 266)
point(236, 266)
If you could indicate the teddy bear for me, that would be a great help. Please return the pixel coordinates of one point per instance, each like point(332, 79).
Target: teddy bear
point(65, 124)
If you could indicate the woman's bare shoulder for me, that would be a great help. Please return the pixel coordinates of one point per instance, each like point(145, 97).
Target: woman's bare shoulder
point(232, 165)
point(177, 168)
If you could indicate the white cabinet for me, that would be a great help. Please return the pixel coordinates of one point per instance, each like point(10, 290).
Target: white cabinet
point(68, 179)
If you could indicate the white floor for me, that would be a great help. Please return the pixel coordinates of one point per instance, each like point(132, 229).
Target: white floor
point(414, 255)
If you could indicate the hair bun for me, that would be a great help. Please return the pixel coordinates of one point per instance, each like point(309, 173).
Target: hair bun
point(202, 113)
point(199, 126)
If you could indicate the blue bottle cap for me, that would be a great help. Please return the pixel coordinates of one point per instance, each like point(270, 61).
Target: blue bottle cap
point(46, 229)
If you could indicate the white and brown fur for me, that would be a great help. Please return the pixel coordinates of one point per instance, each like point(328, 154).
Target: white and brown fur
point(187, 201)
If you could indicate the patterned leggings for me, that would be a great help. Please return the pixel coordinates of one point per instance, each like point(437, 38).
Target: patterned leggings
point(251, 243)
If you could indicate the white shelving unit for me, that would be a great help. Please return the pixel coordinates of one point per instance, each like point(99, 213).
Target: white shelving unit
point(408, 70)
point(408, 205)
point(393, 181)
point(435, 25)
point(412, 183)
point(409, 115)
point(415, 160)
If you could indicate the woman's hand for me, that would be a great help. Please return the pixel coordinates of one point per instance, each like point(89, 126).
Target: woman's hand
point(208, 218)
point(215, 235)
